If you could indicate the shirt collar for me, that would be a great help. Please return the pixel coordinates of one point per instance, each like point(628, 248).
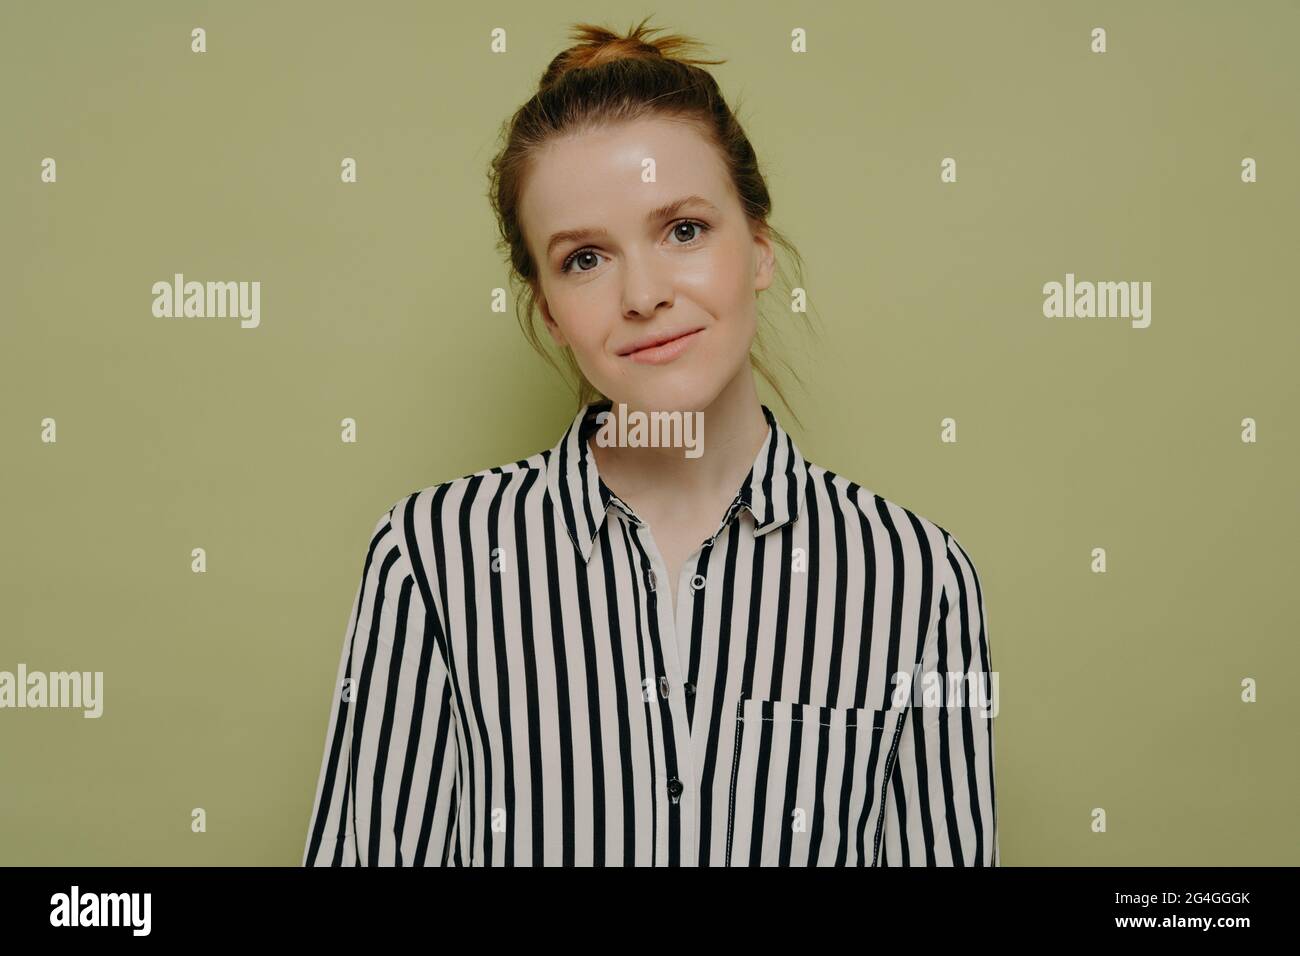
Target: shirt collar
point(773, 491)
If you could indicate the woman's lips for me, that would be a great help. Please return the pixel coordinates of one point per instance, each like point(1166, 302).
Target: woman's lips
point(665, 351)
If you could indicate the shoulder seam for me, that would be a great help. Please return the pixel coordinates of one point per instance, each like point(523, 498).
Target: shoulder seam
point(398, 534)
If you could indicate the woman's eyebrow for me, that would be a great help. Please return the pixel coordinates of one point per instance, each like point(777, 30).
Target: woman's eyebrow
point(654, 215)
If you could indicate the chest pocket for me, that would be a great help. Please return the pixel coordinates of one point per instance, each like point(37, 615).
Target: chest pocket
point(807, 783)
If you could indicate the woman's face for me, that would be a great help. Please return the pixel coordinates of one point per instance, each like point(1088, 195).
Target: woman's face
point(620, 263)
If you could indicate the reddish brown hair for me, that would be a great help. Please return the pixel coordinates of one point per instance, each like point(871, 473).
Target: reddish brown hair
point(607, 78)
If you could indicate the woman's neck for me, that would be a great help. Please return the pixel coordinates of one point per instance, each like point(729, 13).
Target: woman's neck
point(733, 429)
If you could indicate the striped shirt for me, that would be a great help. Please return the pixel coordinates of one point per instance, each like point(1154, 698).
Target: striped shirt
point(515, 690)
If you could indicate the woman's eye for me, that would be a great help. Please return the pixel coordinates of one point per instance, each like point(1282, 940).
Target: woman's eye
point(586, 255)
point(581, 254)
point(688, 224)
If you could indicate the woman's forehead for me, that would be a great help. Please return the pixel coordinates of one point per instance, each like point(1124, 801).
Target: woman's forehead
point(606, 179)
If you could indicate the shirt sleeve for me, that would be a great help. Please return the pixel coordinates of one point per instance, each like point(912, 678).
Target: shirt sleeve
point(940, 807)
point(387, 793)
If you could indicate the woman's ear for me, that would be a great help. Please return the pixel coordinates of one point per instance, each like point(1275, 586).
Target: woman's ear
point(539, 300)
point(765, 259)
point(551, 325)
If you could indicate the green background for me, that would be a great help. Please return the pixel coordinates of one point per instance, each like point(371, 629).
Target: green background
point(1118, 690)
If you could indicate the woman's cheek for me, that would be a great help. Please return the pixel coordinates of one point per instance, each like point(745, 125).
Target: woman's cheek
point(720, 289)
point(705, 276)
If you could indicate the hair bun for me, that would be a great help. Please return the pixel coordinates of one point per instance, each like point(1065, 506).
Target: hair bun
point(596, 45)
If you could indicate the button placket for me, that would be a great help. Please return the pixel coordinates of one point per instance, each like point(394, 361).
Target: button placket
point(680, 764)
point(687, 594)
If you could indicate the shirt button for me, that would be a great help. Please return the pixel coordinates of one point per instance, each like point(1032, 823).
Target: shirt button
point(697, 582)
point(663, 686)
point(675, 789)
point(650, 578)
point(689, 688)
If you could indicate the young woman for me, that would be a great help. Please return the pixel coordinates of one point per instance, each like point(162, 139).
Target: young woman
point(700, 651)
